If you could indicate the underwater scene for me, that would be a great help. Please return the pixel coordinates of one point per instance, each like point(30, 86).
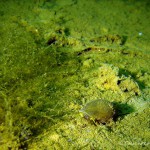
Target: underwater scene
point(74, 74)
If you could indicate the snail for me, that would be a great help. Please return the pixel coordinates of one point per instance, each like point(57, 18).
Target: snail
point(100, 111)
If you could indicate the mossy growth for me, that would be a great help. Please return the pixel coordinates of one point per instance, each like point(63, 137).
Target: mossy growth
point(108, 79)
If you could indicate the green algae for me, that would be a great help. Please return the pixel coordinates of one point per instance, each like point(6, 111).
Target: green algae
point(56, 56)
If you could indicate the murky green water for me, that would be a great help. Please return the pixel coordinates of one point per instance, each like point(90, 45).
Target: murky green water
point(58, 55)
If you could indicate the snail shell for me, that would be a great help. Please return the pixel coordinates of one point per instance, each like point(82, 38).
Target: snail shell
point(99, 110)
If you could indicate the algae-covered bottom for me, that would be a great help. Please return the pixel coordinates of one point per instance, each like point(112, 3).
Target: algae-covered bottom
point(57, 56)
